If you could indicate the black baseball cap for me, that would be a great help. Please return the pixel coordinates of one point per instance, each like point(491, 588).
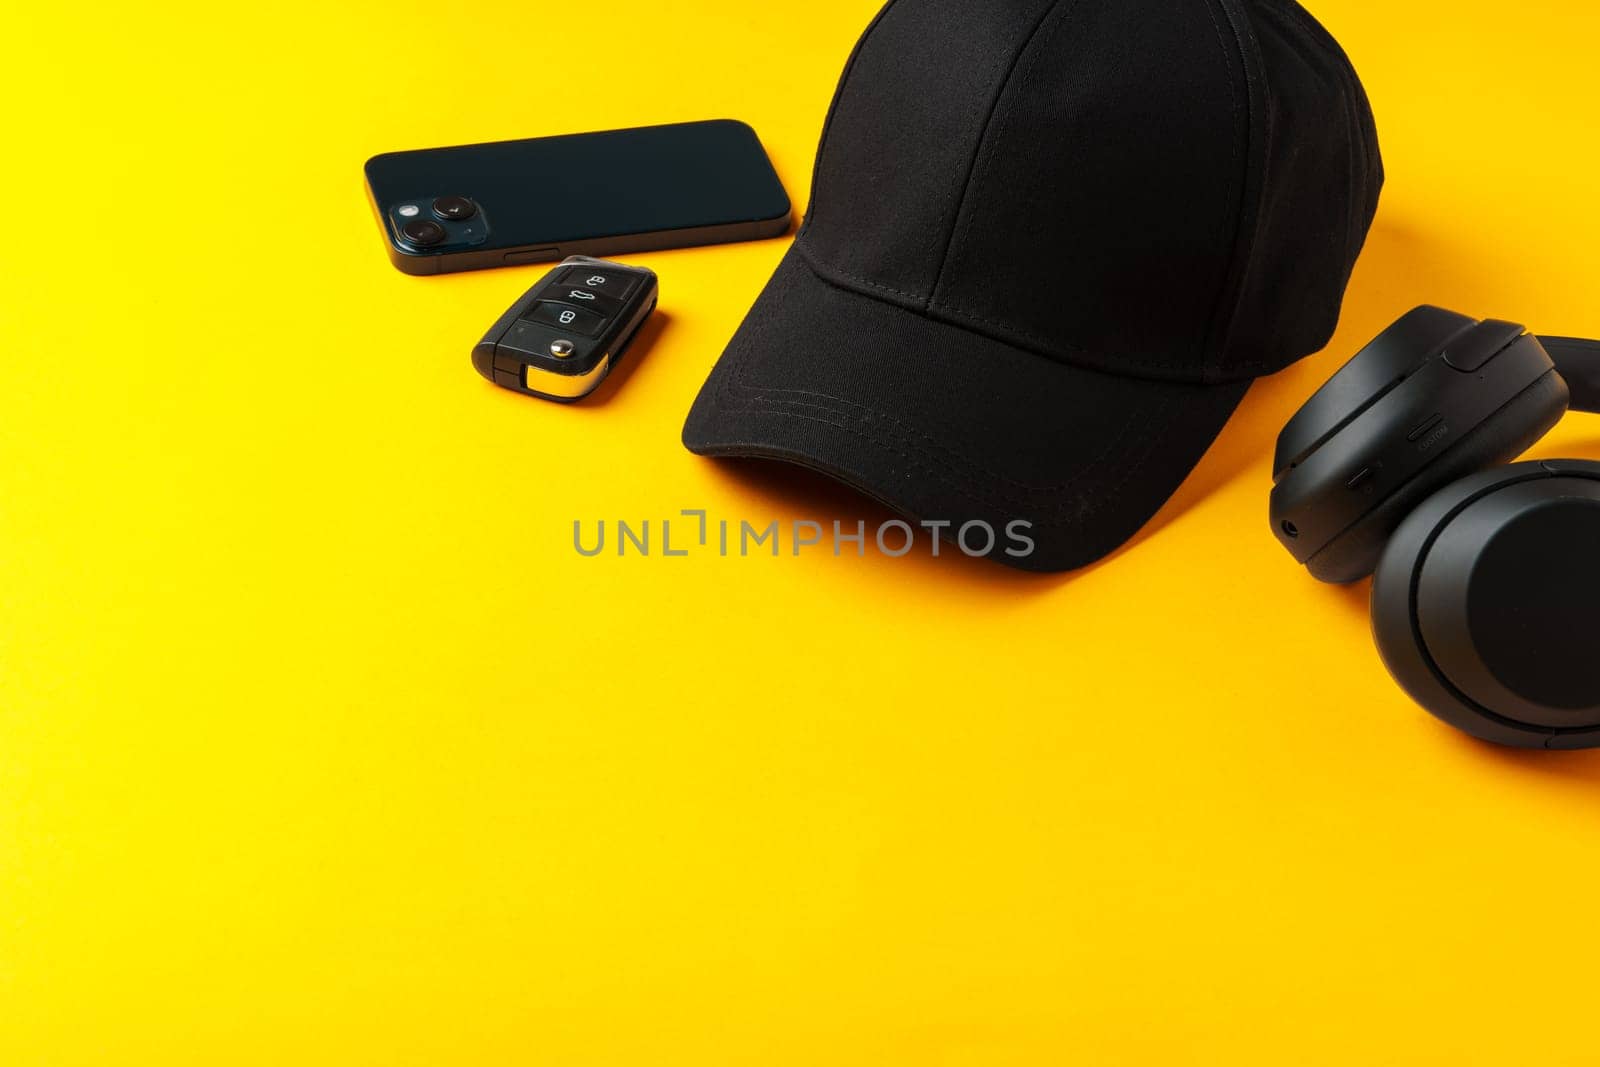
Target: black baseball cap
point(1050, 244)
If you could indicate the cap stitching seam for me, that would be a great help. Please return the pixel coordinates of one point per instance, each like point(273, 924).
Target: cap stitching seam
point(1213, 358)
point(949, 202)
point(960, 317)
point(923, 460)
point(1352, 112)
point(959, 311)
point(999, 122)
point(911, 435)
point(981, 157)
point(1056, 351)
point(821, 268)
point(833, 107)
point(1328, 47)
point(935, 454)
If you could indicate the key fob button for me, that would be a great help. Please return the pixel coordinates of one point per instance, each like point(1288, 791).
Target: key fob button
point(579, 297)
point(569, 317)
point(616, 284)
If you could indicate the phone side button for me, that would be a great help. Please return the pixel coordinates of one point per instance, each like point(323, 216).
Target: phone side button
point(533, 255)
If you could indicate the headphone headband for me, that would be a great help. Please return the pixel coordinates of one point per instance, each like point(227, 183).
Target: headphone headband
point(1578, 361)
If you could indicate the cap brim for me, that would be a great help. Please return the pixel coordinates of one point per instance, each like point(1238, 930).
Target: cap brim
point(945, 425)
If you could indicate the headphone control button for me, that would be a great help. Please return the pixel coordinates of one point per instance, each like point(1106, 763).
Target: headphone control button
point(1426, 426)
point(1481, 344)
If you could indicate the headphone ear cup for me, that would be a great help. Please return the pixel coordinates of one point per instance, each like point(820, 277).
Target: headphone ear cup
point(1482, 604)
point(1501, 438)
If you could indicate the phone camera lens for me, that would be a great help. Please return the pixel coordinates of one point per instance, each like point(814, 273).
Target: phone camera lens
point(423, 232)
point(454, 207)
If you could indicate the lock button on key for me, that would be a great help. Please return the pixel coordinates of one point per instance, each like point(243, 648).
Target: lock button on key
point(568, 317)
point(616, 284)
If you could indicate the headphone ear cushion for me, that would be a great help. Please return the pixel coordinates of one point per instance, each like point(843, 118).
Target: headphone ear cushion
point(1500, 438)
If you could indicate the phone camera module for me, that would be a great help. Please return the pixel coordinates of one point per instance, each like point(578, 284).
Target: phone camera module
point(454, 207)
point(423, 233)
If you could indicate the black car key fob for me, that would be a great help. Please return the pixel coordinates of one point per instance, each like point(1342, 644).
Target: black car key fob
point(561, 339)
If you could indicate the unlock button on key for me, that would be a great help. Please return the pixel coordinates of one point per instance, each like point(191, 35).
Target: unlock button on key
point(574, 319)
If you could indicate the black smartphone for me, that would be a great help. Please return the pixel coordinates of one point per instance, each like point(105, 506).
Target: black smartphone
point(592, 194)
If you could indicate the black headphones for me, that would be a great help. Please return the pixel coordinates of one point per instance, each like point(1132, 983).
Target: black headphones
point(1486, 595)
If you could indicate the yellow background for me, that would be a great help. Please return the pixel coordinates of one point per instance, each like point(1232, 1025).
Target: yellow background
point(320, 745)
